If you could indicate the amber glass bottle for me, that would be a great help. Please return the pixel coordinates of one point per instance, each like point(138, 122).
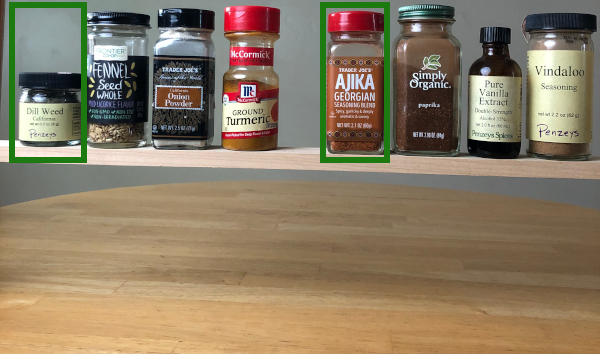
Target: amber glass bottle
point(495, 94)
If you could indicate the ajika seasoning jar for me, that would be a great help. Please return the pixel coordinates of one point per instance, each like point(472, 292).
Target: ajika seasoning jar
point(427, 74)
point(184, 80)
point(118, 77)
point(495, 98)
point(251, 86)
point(50, 109)
point(355, 69)
point(560, 86)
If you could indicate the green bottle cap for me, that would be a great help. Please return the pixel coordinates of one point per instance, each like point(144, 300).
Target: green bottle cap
point(426, 11)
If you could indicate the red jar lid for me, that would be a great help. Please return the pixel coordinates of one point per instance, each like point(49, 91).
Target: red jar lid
point(356, 21)
point(251, 18)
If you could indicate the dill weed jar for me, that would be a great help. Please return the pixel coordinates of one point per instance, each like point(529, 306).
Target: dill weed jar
point(560, 85)
point(355, 69)
point(427, 73)
point(118, 77)
point(251, 86)
point(50, 109)
point(184, 80)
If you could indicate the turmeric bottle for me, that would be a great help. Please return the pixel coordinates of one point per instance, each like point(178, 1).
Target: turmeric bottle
point(251, 86)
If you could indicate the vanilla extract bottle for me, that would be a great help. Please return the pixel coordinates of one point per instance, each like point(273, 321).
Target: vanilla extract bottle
point(495, 99)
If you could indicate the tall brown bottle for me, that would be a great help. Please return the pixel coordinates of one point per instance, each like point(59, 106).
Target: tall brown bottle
point(495, 99)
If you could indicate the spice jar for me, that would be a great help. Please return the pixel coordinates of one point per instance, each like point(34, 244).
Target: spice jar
point(184, 80)
point(117, 79)
point(50, 109)
point(251, 86)
point(355, 90)
point(427, 73)
point(495, 92)
point(560, 76)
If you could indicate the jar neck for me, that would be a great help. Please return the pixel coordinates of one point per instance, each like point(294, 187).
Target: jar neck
point(252, 39)
point(427, 27)
point(185, 33)
point(352, 36)
point(119, 29)
point(496, 50)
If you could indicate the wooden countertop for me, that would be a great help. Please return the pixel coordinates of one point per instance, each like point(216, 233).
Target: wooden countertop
point(298, 267)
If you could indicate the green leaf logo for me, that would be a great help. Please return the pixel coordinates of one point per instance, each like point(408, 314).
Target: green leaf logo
point(432, 62)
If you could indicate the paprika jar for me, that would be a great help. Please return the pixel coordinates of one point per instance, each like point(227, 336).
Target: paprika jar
point(251, 86)
point(118, 80)
point(355, 90)
point(427, 74)
point(560, 85)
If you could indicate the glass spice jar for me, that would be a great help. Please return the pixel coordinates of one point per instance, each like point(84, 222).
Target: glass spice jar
point(50, 109)
point(251, 86)
point(355, 70)
point(495, 98)
point(560, 87)
point(118, 79)
point(184, 80)
point(427, 74)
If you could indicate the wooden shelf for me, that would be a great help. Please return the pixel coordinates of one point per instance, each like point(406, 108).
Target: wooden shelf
point(308, 159)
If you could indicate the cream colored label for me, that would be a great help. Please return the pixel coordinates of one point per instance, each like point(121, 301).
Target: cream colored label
point(49, 122)
point(249, 120)
point(560, 96)
point(495, 108)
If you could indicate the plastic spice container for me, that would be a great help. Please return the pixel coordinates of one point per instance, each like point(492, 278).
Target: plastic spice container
point(50, 109)
point(184, 80)
point(560, 85)
point(118, 77)
point(427, 74)
point(355, 70)
point(251, 86)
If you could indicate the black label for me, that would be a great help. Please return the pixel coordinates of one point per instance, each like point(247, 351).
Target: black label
point(184, 90)
point(118, 90)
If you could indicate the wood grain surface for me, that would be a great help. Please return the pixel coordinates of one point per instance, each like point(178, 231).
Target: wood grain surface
point(298, 267)
point(308, 159)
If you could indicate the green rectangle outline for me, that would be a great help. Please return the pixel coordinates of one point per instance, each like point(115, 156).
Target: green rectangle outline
point(12, 81)
point(386, 130)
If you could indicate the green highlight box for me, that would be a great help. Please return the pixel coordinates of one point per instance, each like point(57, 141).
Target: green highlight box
point(324, 37)
point(12, 81)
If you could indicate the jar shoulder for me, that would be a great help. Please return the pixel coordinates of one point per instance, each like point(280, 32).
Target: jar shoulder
point(501, 66)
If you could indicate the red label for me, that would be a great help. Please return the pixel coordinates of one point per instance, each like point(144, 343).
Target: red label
point(251, 56)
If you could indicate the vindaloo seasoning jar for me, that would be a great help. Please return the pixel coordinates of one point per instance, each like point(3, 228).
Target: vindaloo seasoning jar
point(251, 86)
point(427, 74)
point(560, 85)
point(118, 79)
point(355, 69)
point(184, 80)
point(50, 109)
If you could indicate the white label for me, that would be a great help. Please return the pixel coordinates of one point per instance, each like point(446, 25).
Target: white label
point(110, 53)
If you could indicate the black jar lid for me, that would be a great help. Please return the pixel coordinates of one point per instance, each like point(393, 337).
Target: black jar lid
point(186, 18)
point(565, 21)
point(50, 80)
point(495, 35)
point(118, 18)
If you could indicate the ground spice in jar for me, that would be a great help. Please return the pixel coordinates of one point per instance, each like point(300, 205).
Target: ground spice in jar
point(251, 86)
point(355, 92)
point(427, 71)
point(560, 85)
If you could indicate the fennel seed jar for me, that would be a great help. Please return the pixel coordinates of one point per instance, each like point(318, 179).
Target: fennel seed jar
point(118, 79)
point(560, 84)
point(50, 109)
